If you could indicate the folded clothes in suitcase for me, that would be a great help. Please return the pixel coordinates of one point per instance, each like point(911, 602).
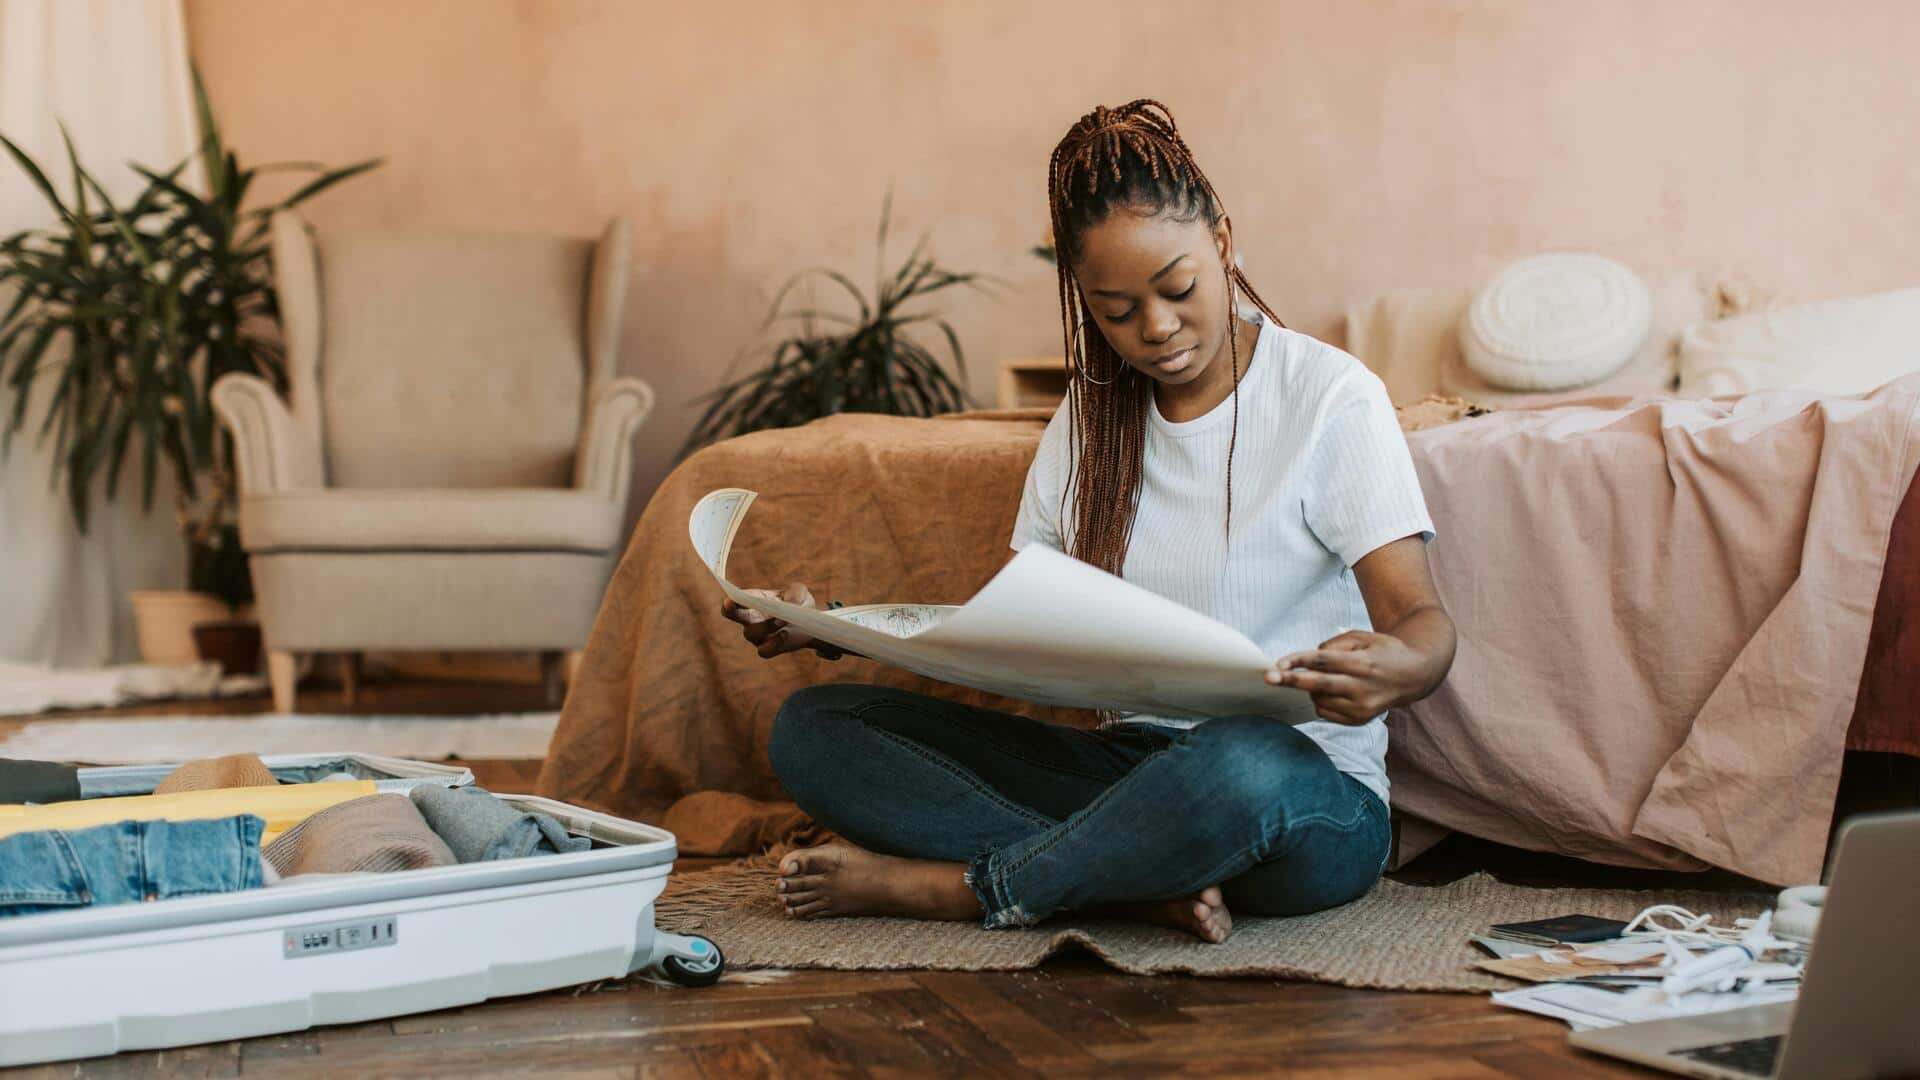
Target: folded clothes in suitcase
point(340, 949)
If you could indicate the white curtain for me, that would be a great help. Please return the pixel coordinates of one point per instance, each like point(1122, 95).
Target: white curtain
point(115, 72)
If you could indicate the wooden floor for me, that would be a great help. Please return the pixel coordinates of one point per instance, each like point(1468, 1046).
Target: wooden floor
point(1071, 1017)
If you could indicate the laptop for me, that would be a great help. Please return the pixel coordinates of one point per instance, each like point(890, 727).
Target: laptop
point(1858, 1013)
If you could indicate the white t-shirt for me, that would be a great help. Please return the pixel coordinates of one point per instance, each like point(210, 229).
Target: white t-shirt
point(1321, 478)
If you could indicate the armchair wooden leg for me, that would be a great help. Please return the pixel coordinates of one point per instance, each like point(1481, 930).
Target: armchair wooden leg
point(558, 670)
point(282, 673)
point(552, 671)
point(350, 677)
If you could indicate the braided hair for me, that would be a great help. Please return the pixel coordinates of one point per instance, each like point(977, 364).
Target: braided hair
point(1130, 158)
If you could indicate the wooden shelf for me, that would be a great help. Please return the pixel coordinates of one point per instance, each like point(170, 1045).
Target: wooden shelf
point(1037, 381)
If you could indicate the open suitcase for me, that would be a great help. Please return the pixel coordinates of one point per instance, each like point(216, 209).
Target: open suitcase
point(287, 957)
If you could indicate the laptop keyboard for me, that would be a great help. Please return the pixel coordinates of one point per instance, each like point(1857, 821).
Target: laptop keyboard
point(1752, 1056)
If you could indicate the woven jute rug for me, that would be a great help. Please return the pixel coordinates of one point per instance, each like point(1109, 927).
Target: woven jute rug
point(1397, 937)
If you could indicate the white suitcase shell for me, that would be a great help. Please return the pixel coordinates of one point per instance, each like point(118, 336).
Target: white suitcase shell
point(342, 950)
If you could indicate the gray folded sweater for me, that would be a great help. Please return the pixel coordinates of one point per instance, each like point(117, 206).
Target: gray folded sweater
point(480, 827)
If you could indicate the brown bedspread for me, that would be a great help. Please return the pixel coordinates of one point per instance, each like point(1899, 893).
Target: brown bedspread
point(670, 702)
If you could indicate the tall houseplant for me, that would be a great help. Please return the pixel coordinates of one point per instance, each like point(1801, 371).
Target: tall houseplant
point(131, 312)
point(868, 361)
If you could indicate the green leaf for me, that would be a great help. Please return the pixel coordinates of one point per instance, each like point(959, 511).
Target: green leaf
point(880, 241)
point(80, 212)
point(212, 154)
point(327, 180)
point(136, 245)
point(236, 189)
point(27, 367)
point(870, 362)
point(117, 452)
point(34, 174)
point(19, 304)
point(148, 201)
point(830, 274)
point(821, 314)
point(158, 296)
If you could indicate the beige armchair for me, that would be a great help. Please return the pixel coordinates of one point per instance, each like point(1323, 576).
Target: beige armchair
point(452, 470)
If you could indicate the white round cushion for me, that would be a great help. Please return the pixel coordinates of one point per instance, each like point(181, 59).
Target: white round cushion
point(1555, 322)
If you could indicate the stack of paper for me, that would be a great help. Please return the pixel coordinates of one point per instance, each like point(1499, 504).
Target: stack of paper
point(1587, 1007)
point(1641, 959)
point(1621, 981)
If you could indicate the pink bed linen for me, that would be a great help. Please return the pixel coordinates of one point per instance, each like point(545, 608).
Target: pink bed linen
point(1703, 574)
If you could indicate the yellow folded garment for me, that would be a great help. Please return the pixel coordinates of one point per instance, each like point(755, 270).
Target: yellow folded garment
point(282, 807)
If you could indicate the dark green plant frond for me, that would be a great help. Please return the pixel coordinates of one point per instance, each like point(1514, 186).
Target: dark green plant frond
point(212, 153)
point(124, 314)
point(775, 312)
point(870, 362)
point(39, 178)
point(327, 179)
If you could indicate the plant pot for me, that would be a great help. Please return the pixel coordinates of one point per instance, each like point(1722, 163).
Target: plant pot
point(220, 568)
point(232, 644)
point(164, 620)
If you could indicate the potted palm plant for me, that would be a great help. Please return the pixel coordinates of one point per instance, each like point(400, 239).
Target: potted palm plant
point(865, 361)
point(131, 313)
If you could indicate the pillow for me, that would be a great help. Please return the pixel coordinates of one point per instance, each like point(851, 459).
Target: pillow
point(1555, 322)
point(1410, 338)
point(1847, 345)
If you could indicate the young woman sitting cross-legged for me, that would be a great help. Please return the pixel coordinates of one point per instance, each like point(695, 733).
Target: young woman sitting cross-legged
point(1308, 535)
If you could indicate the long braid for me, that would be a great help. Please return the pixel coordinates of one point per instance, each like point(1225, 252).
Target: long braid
point(1110, 158)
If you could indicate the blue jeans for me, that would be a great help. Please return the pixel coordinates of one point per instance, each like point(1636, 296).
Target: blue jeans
point(61, 869)
point(1050, 818)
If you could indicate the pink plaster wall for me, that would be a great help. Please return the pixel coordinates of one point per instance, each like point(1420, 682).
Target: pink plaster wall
point(1359, 145)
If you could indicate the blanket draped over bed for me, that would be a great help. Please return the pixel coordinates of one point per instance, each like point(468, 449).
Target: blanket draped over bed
point(1667, 614)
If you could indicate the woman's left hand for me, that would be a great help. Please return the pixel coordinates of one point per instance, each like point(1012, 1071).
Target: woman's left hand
point(1356, 676)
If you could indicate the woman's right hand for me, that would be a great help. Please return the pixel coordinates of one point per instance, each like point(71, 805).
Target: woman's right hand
point(772, 637)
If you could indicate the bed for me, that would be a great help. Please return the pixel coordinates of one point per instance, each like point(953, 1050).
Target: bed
point(1709, 734)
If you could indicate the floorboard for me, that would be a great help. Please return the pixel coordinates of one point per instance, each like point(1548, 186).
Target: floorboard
point(1072, 1017)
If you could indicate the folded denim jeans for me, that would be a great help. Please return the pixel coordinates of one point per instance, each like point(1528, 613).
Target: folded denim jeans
point(128, 862)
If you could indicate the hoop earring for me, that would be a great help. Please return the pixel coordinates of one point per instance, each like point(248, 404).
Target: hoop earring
point(1234, 311)
point(1078, 340)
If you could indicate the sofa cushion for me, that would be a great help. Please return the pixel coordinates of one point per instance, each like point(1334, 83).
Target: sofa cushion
point(375, 519)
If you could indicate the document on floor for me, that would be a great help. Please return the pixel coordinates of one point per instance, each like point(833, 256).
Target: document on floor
point(1589, 1007)
point(1048, 628)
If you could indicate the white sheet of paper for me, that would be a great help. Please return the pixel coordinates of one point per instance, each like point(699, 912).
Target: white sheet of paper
point(1048, 628)
point(1593, 1006)
point(1623, 952)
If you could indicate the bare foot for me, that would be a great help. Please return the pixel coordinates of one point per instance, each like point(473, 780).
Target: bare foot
point(841, 879)
point(1203, 914)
